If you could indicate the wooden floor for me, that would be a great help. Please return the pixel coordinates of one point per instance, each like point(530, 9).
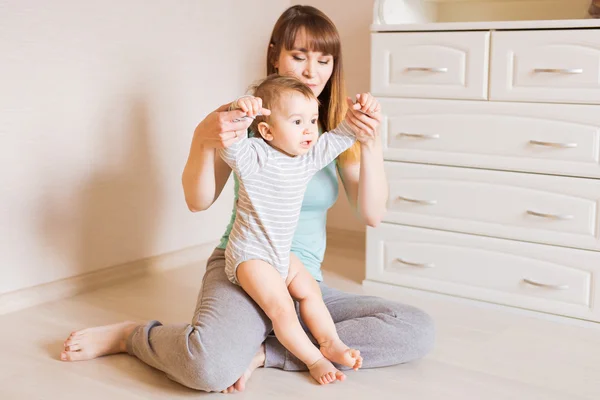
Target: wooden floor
point(482, 352)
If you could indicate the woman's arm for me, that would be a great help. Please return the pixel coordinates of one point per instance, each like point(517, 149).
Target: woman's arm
point(205, 173)
point(365, 183)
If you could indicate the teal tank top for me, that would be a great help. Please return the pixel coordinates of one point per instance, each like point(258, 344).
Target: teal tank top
point(310, 239)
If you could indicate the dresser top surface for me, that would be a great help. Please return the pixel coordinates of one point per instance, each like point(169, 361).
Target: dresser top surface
point(489, 25)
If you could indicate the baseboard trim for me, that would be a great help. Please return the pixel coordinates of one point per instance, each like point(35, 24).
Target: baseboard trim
point(346, 239)
point(52, 291)
point(337, 239)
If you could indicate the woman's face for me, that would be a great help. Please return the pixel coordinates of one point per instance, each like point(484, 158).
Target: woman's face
point(312, 68)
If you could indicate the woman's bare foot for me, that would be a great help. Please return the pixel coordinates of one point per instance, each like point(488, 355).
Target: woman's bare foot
point(336, 351)
point(257, 361)
point(324, 372)
point(99, 341)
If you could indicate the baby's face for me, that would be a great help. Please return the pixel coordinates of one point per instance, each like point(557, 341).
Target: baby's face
point(294, 124)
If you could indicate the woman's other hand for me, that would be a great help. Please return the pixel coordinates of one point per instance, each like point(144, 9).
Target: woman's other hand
point(364, 116)
point(221, 128)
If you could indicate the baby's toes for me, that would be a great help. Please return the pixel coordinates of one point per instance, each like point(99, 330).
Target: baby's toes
point(326, 378)
point(359, 362)
point(353, 354)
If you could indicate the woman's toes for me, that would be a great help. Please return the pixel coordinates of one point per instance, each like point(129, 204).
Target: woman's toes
point(240, 385)
point(73, 347)
point(73, 356)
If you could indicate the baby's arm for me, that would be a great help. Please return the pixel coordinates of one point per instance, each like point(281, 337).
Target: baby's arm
point(242, 156)
point(333, 143)
point(246, 155)
point(330, 145)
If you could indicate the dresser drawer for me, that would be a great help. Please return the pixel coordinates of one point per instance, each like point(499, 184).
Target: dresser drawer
point(546, 66)
point(430, 64)
point(535, 208)
point(538, 277)
point(544, 138)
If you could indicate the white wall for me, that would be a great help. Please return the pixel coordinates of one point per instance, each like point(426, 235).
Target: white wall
point(98, 102)
point(353, 19)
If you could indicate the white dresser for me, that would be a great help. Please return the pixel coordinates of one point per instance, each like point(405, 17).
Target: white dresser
point(492, 147)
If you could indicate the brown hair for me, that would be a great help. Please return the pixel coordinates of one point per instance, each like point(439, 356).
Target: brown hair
point(323, 37)
point(270, 91)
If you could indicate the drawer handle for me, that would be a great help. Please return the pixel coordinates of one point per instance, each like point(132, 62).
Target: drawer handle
point(554, 144)
point(419, 135)
point(545, 285)
point(428, 69)
point(559, 70)
point(414, 264)
point(417, 201)
point(551, 216)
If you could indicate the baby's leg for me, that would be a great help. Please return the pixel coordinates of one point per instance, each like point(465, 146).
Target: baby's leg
point(315, 315)
point(264, 284)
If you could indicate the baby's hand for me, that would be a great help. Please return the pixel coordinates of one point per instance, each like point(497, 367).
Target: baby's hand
point(366, 104)
point(252, 106)
point(364, 117)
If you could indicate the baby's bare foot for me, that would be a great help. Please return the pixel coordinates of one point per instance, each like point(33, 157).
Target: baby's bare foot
point(257, 361)
point(99, 341)
point(336, 351)
point(324, 372)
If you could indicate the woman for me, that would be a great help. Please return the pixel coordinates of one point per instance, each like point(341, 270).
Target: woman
point(230, 336)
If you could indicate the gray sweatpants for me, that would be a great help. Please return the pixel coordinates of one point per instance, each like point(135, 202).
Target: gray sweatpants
point(229, 327)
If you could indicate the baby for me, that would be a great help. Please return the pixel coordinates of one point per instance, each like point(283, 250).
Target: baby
point(273, 170)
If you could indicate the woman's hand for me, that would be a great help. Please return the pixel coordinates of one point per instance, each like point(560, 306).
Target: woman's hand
point(222, 127)
point(364, 116)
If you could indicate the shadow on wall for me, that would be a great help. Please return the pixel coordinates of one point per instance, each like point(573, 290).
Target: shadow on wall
point(113, 216)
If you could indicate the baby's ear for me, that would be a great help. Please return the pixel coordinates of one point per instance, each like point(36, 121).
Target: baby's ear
point(265, 131)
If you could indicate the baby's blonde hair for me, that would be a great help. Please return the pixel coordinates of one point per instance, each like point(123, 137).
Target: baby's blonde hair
point(271, 89)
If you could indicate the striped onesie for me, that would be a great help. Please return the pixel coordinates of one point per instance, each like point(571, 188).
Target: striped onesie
point(271, 190)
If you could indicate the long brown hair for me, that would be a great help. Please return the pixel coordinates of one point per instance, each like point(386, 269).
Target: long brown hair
point(323, 37)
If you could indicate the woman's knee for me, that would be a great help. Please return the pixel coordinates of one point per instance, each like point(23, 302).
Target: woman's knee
point(416, 330)
point(209, 374)
point(215, 363)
